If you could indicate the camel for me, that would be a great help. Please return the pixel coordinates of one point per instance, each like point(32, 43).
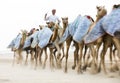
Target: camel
point(20, 48)
point(108, 41)
point(60, 46)
point(65, 24)
point(101, 11)
point(116, 42)
point(18, 51)
point(31, 51)
point(39, 50)
point(68, 43)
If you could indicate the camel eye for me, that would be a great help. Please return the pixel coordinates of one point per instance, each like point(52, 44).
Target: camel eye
point(99, 9)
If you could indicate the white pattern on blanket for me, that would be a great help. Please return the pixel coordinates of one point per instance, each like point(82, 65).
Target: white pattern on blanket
point(82, 29)
point(15, 43)
point(42, 38)
point(111, 23)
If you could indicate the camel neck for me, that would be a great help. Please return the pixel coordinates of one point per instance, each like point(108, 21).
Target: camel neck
point(98, 18)
point(64, 27)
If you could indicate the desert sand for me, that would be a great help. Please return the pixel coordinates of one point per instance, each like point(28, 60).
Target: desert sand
point(20, 73)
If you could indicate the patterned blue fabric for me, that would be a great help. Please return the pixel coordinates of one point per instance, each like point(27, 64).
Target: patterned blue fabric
point(82, 29)
point(71, 29)
point(12, 44)
point(65, 35)
point(42, 37)
point(95, 33)
point(111, 23)
point(74, 25)
point(15, 43)
point(28, 40)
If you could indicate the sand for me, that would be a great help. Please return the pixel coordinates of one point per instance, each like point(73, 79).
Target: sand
point(27, 74)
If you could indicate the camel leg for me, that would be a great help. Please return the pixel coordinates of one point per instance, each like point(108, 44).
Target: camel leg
point(46, 56)
point(63, 54)
point(102, 63)
point(26, 62)
point(103, 60)
point(32, 56)
point(36, 57)
point(84, 61)
point(85, 53)
point(114, 55)
point(117, 45)
point(75, 55)
point(58, 59)
point(20, 56)
point(54, 53)
point(79, 70)
point(97, 53)
point(115, 66)
point(40, 56)
point(111, 63)
point(13, 59)
point(51, 59)
point(58, 55)
point(66, 57)
point(68, 42)
point(93, 53)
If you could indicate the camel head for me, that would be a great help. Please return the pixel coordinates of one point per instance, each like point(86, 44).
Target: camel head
point(24, 34)
point(116, 6)
point(64, 20)
point(41, 26)
point(50, 24)
point(101, 11)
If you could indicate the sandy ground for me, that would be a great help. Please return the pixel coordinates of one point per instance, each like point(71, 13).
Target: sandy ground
point(27, 74)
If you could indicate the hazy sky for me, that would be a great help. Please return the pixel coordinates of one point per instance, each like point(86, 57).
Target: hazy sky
point(26, 14)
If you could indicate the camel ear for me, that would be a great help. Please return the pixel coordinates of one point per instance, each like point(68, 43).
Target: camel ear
point(62, 18)
point(97, 7)
point(67, 18)
point(41, 26)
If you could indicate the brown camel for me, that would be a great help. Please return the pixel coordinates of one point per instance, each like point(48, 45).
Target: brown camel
point(20, 49)
point(108, 41)
point(40, 50)
point(101, 11)
point(67, 45)
point(114, 41)
point(28, 50)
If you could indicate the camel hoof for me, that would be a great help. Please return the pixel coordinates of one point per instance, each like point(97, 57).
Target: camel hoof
point(93, 71)
point(65, 70)
point(73, 67)
point(111, 70)
point(89, 65)
point(84, 67)
point(59, 67)
point(105, 72)
point(79, 71)
point(115, 67)
point(99, 70)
